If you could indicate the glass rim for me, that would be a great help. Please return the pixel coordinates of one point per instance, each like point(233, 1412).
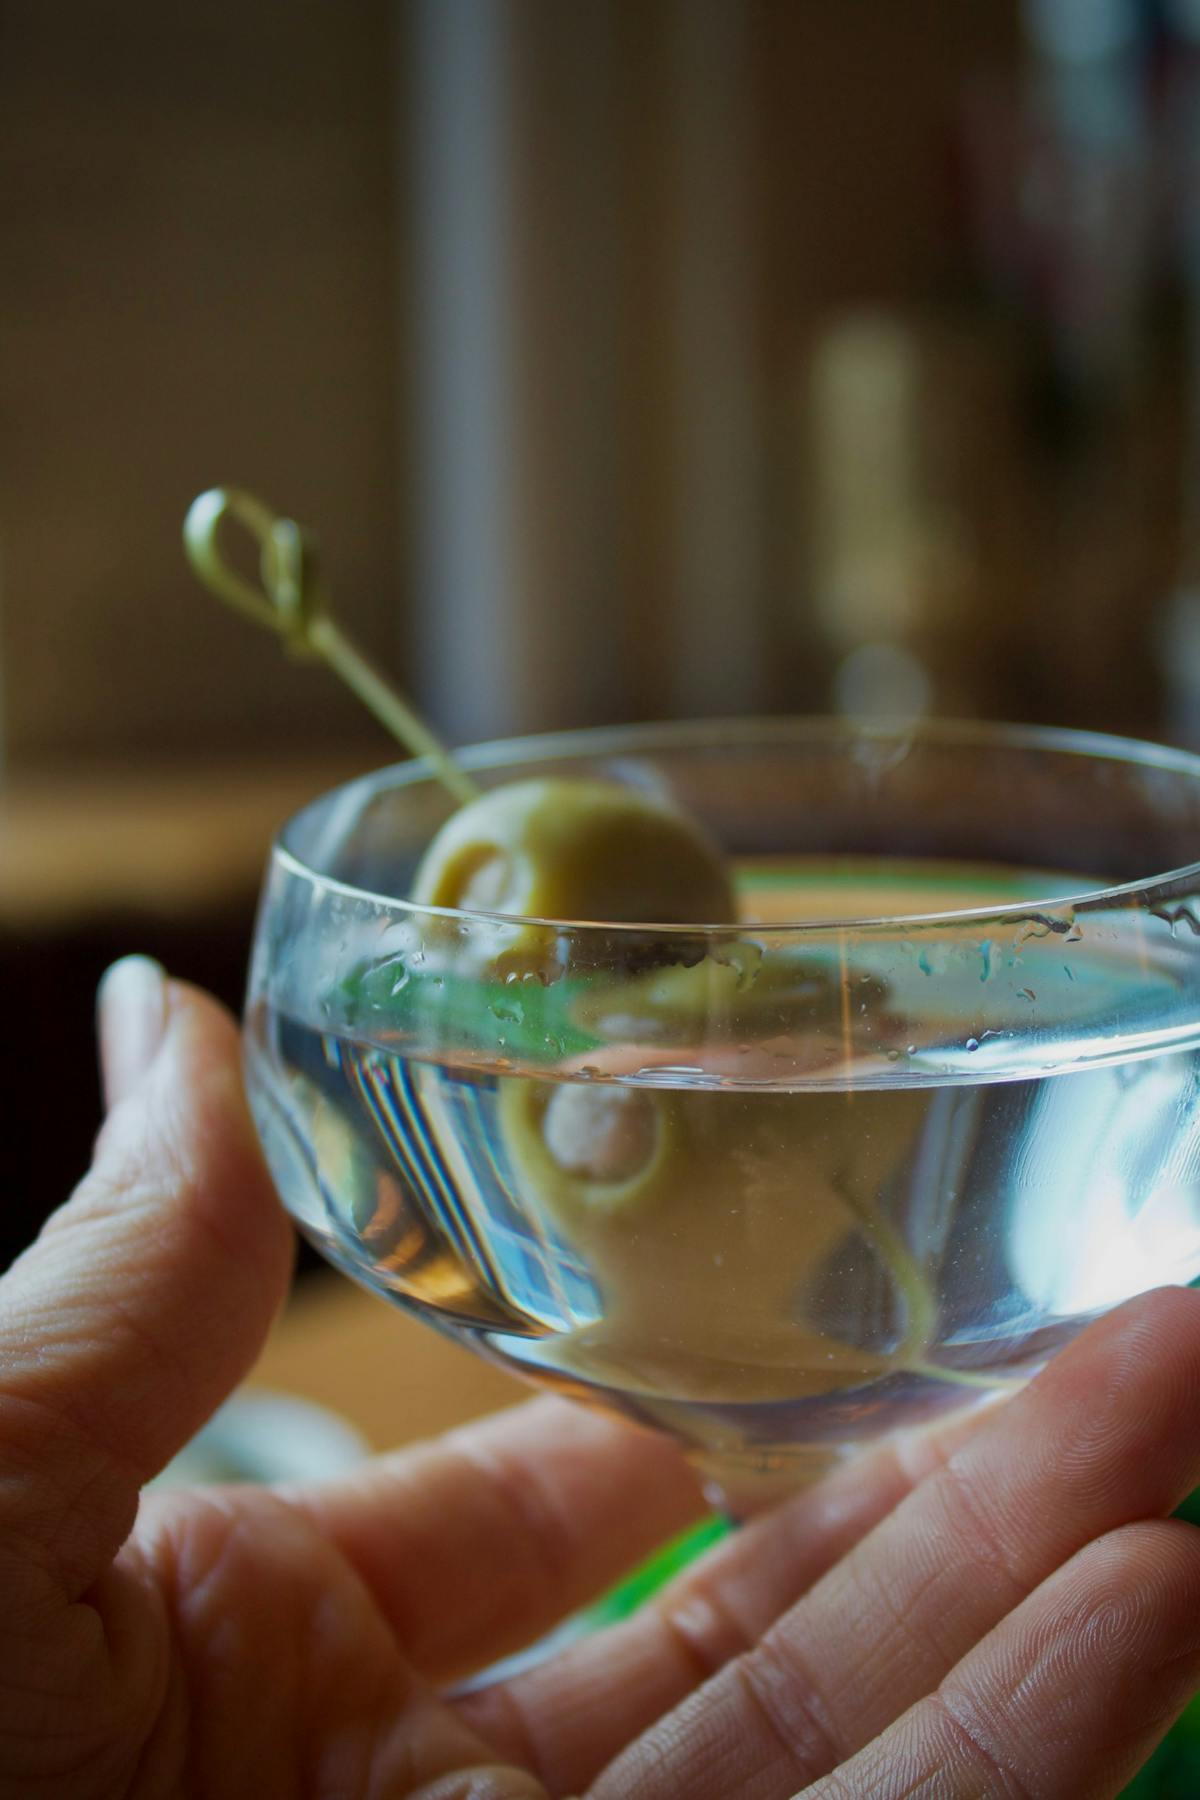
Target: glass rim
point(711, 734)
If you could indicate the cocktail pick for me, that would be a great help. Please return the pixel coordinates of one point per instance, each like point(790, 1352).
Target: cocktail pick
point(293, 602)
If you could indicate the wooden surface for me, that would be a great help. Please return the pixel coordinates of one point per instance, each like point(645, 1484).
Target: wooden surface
point(392, 1377)
point(106, 842)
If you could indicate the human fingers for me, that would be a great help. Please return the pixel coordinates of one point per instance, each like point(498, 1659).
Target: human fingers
point(571, 1714)
point(1107, 1434)
point(477, 1543)
point(147, 1296)
point(1067, 1697)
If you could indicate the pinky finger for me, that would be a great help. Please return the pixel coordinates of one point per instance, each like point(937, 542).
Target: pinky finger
point(1064, 1700)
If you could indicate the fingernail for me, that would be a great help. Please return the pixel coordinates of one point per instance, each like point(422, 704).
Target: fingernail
point(132, 1013)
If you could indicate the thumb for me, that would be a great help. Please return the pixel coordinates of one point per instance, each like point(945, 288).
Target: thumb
point(148, 1295)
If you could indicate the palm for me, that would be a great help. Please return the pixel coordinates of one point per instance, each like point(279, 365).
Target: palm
point(278, 1672)
point(240, 1631)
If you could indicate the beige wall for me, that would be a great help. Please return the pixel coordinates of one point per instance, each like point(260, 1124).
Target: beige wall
point(195, 286)
point(199, 282)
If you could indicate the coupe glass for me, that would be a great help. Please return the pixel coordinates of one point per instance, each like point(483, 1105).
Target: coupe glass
point(777, 1187)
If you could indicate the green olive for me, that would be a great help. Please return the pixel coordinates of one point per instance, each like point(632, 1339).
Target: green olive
point(574, 849)
point(605, 1135)
point(709, 1220)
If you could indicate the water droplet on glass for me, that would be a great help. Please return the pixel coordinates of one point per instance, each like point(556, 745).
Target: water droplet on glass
point(972, 1043)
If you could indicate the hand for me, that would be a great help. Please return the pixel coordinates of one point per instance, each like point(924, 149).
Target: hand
point(994, 1610)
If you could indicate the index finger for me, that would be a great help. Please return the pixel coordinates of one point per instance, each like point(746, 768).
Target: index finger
point(475, 1545)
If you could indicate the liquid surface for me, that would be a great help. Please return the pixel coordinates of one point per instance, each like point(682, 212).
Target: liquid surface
point(770, 1275)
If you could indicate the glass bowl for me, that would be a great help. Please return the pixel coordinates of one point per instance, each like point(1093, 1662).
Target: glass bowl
point(871, 1153)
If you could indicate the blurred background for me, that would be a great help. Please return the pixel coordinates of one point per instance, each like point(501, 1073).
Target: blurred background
point(631, 358)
